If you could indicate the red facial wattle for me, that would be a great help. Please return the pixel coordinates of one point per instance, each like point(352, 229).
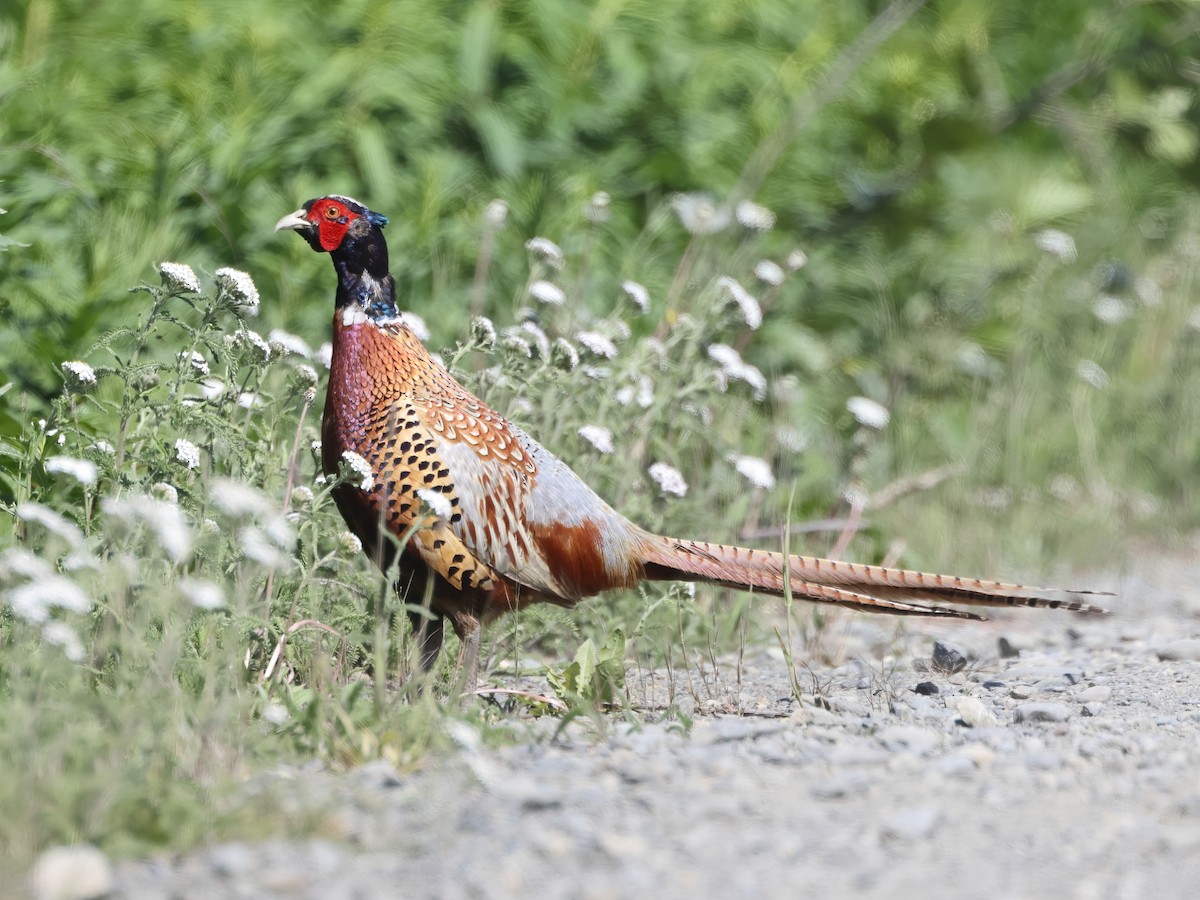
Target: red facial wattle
point(331, 219)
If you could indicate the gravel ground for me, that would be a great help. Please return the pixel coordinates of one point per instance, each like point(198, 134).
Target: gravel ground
point(1068, 770)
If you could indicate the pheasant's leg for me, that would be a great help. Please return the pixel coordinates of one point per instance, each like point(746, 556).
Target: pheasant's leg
point(471, 634)
point(428, 632)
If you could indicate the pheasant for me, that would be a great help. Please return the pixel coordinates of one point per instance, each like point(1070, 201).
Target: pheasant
point(488, 521)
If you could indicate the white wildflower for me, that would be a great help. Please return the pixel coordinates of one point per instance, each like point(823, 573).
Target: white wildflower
point(164, 520)
point(756, 471)
point(257, 546)
point(187, 453)
point(438, 502)
point(596, 373)
point(1091, 372)
point(1065, 488)
point(701, 411)
point(792, 439)
point(210, 527)
point(79, 374)
point(974, 360)
point(547, 250)
point(249, 400)
point(162, 490)
point(1056, 243)
point(53, 522)
point(564, 354)
point(324, 354)
point(856, 495)
point(598, 436)
point(302, 496)
point(620, 329)
point(179, 277)
point(307, 374)
point(868, 412)
point(201, 593)
point(547, 292)
point(1111, 310)
point(211, 388)
point(641, 393)
point(195, 360)
point(82, 470)
point(284, 342)
point(416, 325)
point(359, 469)
point(248, 337)
point(699, 213)
point(769, 272)
point(797, 259)
point(734, 367)
point(670, 480)
point(316, 446)
point(483, 332)
point(241, 287)
point(104, 447)
point(596, 343)
point(238, 498)
point(755, 216)
point(63, 635)
point(537, 338)
point(654, 347)
point(638, 294)
point(35, 599)
point(597, 210)
point(747, 302)
point(276, 713)
point(496, 213)
point(513, 341)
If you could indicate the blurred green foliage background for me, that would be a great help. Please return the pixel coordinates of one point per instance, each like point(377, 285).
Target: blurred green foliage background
point(915, 160)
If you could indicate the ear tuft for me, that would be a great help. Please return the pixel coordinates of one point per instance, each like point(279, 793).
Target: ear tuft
point(377, 219)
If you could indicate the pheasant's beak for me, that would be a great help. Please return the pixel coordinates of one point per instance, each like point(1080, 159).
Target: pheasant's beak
point(296, 221)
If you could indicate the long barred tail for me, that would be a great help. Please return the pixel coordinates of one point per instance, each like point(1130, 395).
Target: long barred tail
point(867, 588)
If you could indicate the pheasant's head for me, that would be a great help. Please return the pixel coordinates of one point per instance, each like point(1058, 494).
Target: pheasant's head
point(333, 223)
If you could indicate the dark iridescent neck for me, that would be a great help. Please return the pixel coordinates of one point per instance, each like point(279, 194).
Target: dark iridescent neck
point(363, 279)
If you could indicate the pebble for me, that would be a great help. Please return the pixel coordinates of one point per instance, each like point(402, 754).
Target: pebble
point(1042, 712)
point(77, 872)
point(926, 688)
point(974, 714)
point(947, 658)
point(1021, 692)
point(1185, 649)
point(1093, 709)
point(1096, 693)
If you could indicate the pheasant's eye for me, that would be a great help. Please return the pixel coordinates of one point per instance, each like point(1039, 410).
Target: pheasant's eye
point(332, 212)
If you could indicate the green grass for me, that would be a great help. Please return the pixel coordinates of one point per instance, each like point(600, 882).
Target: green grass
point(999, 229)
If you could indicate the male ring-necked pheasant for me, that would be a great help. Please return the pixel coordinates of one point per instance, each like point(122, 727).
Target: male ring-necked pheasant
point(516, 526)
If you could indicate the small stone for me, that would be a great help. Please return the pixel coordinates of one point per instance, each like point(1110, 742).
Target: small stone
point(1007, 649)
point(78, 872)
point(1093, 709)
point(1096, 693)
point(1186, 649)
point(915, 823)
point(974, 714)
point(993, 685)
point(947, 658)
point(926, 688)
point(1021, 692)
point(1042, 712)
point(1055, 685)
point(231, 860)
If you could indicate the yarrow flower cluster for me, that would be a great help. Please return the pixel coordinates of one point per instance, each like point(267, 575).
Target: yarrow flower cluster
point(248, 337)
point(80, 375)
point(187, 453)
point(284, 342)
point(747, 302)
point(699, 213)
point(161, 518)
point(483, 332)
point(82, 470)
point(359, 468)
point(755, 216)
point(598, 436)
point(596, 210)
point(734, 367)
point(496, 213)
point(1092, 373)
point(638, 294)
point(179, 277)
point(195, 361)
point(769, 272)
point(756, 471)
point(1056, 243)
point(563, 354)
point(438, 502)
point(547, 292)
point(868, 412)
point(641, 393)
point(548, 251)
point(240, 286)
point(416, 325)
point(201, 593)
point(596, 343)
point(1111, 310)
point(669, 479)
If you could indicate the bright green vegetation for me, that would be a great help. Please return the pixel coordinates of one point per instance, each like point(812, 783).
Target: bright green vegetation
point(998, 236)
